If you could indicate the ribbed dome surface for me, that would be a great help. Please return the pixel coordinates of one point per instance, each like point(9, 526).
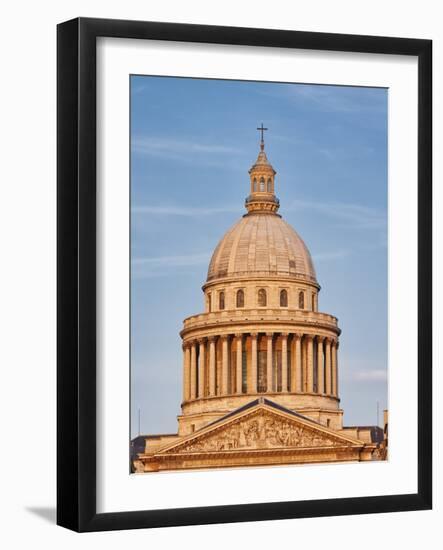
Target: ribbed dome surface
point(261, 244)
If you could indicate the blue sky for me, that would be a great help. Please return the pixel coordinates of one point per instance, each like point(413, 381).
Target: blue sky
point(192, 143)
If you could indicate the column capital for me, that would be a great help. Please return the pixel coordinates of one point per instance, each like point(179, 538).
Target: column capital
point(212, 339)
point(239, 335)
point(309, 336)
point(284, 334)
point(254, 335)
point(224, 336)
point(201, 340)
point(269, 334)
point(298, 335)
point(321, 338)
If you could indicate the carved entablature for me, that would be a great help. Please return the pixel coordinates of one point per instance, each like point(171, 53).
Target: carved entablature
point(259, 430)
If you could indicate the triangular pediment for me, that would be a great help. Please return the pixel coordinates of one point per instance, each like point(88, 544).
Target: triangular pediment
point(260, 428)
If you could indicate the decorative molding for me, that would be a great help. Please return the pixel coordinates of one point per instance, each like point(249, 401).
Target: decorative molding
point(259, 430)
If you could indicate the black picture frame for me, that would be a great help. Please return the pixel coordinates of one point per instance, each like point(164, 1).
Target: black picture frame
point(76, 273)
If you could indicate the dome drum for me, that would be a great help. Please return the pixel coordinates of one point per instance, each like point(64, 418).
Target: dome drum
point(259, 319)
point(276, 293)
point(231, 363)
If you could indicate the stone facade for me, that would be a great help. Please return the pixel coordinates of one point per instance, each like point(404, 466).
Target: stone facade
point(262, 341)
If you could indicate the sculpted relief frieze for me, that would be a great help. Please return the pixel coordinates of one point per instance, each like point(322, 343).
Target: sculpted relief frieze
point(260, 431)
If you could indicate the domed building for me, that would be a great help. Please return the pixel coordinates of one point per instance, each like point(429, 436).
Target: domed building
point(260, 365)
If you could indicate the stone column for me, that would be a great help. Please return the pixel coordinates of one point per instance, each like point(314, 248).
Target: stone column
point(269, 363)
point(225, 371)
point(212, 384)
point(328, 367)
point(309, 364)
point(320, 366)
point(186, 372)
point(291, 381)
point(201, 368)
point(334, 369)
point(238, 372)
point(297, 370)
point(284, 362)
point(253, 377)
point(193, 370)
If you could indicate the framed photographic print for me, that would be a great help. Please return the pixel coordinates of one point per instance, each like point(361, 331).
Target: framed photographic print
point(244, 274)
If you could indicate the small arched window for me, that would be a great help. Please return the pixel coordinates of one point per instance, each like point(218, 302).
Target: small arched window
point(240, 298)
point(221, 300)
point(269, 185)
point(283, 298)
point(301, 300)
point(209, 303)
point(262, 185)
point(262, 298)
point(254, 187)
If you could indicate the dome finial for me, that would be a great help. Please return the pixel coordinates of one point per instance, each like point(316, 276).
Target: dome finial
point(262, 141)
point(262, 197)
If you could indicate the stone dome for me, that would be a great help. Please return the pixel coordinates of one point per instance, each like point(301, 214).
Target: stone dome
point(261, 244)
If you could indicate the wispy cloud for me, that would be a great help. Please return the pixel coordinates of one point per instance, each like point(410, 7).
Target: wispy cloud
point(355, 215)
point(293, 139)
point(147, 267)
point(139, 88)
point(183, 210)
point(332, 255)
point(173, 261)
point(184, 150)
point(376, 375)
point(341, 153)
point(340, 99)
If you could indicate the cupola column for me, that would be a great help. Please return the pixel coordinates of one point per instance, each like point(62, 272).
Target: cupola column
point(320, 366)
point(269, 363)
point(201, 368)
point(310, 363)
point(297, 371)
point(328, 367)
point(225, 364)
point(193, 370)
point(212, 366)
point(239, 370)
point(334, 369)
point(284, 362)
point(253, 374)
point(186, 372)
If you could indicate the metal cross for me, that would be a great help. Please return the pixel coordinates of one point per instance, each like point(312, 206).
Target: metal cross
point(261, 129)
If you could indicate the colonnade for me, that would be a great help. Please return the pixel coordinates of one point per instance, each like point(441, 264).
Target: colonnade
point(250, 363)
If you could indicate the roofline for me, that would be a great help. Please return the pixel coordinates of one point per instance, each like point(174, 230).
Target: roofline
point(153, 435)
